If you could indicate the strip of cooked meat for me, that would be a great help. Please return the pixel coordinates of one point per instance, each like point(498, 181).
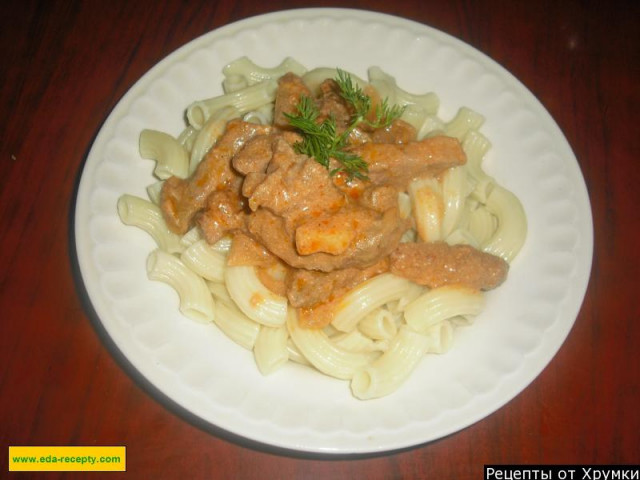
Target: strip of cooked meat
point(398, 164)
point(224, 212)
point(307, 288)
point(290, 89)
point(181, 199)
point(437, 264)
point(312, 221)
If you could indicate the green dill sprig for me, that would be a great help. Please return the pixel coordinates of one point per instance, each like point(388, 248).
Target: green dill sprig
point(321, 140)
point(361, 104)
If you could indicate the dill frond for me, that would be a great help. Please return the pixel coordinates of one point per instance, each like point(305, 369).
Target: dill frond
point(321, 140)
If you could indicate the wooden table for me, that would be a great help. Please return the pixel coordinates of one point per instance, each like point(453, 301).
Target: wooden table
point(65, 65)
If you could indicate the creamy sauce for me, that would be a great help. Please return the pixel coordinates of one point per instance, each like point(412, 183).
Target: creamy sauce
point(311, 235)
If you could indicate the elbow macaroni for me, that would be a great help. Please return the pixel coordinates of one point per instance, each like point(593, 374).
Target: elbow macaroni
point(382, 328)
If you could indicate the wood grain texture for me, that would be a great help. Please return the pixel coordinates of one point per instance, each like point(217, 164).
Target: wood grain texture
point(65, 65)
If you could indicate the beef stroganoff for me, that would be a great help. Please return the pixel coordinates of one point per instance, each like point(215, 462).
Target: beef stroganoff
point(319, 218)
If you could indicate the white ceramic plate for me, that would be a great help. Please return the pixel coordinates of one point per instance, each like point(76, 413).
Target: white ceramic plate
point(526, 319)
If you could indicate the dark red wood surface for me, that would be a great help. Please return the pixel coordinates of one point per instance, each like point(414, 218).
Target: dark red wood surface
point(65, 65)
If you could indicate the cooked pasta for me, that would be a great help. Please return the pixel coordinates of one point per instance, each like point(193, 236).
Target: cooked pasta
point(271, 350)
point(236, 325)
point(420, 106)
point(440, 304)
point(205, 260)
point(465, 121)
point(171, 158)
point(143, 214)
point(511, 229)
point(379, 324)
point(456, 188)
point(428, 205)
point(367, 297)
point(323, 354)
point(356, 341)
point(388, 372)
point(244, 100)
point(195, 300)
point(440, 336)
point(373, 331)
point(254, 299)
point(252, 74)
